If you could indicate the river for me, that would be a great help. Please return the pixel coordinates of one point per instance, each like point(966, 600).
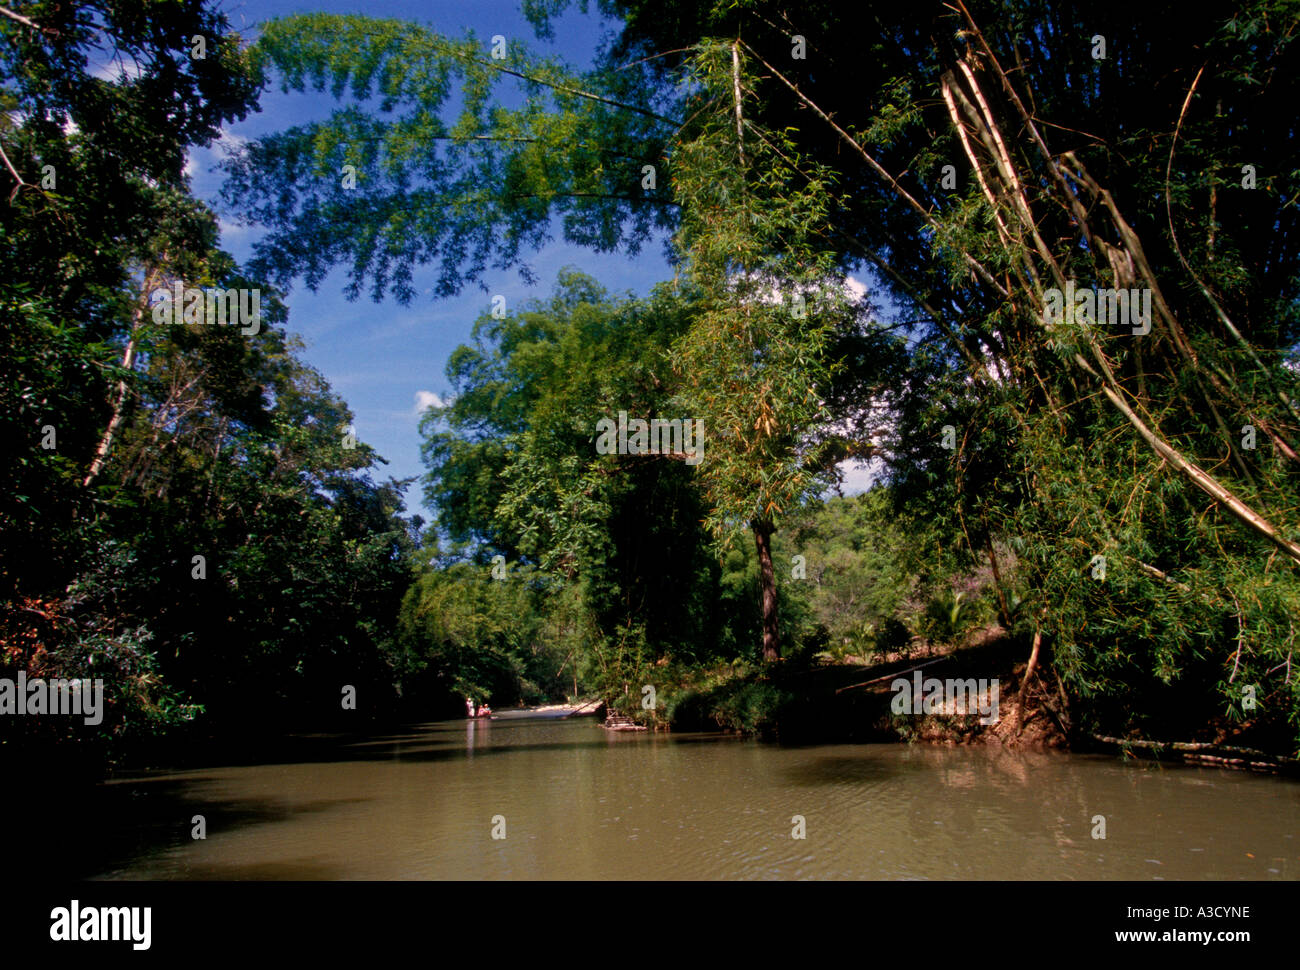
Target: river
point(574, 801)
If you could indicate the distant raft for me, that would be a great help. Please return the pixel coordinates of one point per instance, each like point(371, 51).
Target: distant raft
point(620, 722)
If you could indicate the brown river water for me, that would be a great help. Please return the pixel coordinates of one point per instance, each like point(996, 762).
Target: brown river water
point(574, 801)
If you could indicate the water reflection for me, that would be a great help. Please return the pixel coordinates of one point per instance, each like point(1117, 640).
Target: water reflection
point(583, 803)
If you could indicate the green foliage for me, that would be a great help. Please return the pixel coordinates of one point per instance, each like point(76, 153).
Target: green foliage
point(748, 706)
point(753, 363)
point(778, 176)
point(218, 443)
point(478, 636)
point(531, 140)
point(949, 617)
point(1045, 462)
point(856, 580)
point(625, 575)
point(734, 698)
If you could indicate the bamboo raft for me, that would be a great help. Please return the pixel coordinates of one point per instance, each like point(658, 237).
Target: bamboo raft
point(621, 722)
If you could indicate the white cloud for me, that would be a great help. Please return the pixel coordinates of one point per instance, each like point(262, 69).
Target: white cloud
point(850, 286)
point(229, 144)
point(231, 231)
point(427, 399)
point(116, 70)
point(859, 476)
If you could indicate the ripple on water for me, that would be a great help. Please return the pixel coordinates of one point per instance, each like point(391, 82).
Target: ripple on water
point(580, 803)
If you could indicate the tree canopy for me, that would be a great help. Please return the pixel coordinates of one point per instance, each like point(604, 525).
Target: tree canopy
point(1075, 366)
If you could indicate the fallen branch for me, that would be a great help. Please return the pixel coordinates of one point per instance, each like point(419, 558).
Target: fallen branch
point(897, 673)
point(1194, 746)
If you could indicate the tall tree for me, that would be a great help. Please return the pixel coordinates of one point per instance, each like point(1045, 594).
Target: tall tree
point(186, 516)
point(516, 468)
point(753, 238)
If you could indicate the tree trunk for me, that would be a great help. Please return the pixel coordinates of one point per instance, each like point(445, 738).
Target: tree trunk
point(147, 286)
point(767, 583)
point(997, 579)
point(1022, 694)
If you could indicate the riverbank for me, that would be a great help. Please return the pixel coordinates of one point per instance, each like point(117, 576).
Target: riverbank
point(588, 708)
point(978, 691)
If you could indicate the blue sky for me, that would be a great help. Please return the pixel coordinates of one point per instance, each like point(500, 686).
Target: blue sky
point(386, 360)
